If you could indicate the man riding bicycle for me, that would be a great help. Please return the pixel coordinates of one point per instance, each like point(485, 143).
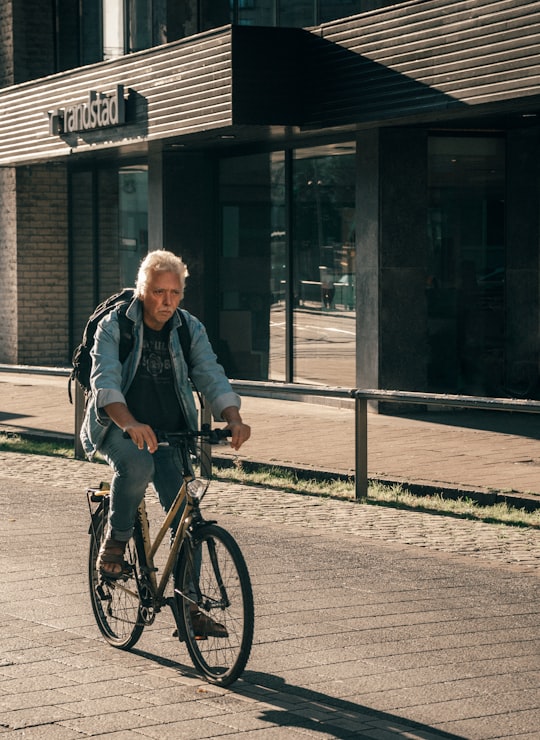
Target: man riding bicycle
point(150, 390)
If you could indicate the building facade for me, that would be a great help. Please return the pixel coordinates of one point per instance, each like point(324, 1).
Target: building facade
point(354, 185)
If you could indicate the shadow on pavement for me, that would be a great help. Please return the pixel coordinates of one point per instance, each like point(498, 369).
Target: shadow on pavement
point(318, 712)
point(502, 422)
point(6, 415)
point(311, 710)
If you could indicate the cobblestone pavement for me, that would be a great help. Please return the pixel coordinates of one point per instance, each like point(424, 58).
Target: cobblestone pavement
point(511, 545)
point(454, 451)
point(370, 623)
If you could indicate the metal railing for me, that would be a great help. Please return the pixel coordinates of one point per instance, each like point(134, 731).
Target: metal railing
point(294, 391)
point(362, 396)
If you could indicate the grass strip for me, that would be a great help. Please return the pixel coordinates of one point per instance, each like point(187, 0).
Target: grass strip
point(395, 496)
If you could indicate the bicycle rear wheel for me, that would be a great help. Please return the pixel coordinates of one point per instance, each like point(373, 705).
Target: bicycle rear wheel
point(212, 587)
point(116, 604)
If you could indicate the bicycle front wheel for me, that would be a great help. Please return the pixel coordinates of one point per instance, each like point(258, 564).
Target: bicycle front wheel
point(116, 604)
point(215, 604)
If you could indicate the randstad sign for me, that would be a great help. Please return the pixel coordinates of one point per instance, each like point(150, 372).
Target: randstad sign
point(101, 110)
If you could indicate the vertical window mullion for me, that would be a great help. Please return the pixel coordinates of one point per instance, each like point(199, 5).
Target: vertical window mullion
point(289, 300)
point(128, 41)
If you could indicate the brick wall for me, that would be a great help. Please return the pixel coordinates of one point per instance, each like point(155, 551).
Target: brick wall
point(6, 43)
point(8, 266)
point(42, 265)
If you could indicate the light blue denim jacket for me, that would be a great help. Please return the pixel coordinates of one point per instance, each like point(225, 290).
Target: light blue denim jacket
point(110, 380)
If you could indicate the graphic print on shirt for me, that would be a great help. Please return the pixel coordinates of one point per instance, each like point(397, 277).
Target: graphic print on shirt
point(152, 396)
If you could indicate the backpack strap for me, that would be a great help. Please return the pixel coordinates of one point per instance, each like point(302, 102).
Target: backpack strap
point(126, 333)
point(185, 338)
point(185, 342)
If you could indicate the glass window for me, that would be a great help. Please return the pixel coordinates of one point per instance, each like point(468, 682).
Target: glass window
point(332, 9)
point(109, 235)
point(215, 13)
point(278, 271)
point(297, 14)
point(113, 29)
point(255, 326)
point(127, 27)
point(182, 19)
point(133, 221)
point(91, 32)
point(256, 12)
point(82, 247)
point(78, 33)
point(466, 266)
point(139, 13)
point(323, 243)
point(252, 308)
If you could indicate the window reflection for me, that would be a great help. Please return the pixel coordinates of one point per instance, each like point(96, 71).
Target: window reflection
point(297, 14)
point(254, 291)
point(214, 13)
point(133, 221)
point(466, 268)
point(139, 24)
point(109, 217)
point(92, 30)
point(252, 254)
point(113, 29)
point(127, 27)
point(324, 265)
point(256, 12)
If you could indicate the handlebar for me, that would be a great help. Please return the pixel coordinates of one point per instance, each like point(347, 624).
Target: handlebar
point(213, 436)
point(171, 439)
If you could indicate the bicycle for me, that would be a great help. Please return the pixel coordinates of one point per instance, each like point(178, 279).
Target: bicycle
point(211, 581)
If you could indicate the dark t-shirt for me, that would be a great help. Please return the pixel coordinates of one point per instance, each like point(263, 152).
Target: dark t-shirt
point(151, 397)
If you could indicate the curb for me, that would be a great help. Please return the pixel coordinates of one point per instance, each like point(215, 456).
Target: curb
point(529, 503)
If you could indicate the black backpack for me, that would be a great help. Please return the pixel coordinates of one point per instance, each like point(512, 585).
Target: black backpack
point(81, 360)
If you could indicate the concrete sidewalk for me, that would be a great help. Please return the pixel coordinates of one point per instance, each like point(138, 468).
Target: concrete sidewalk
point(448, 450)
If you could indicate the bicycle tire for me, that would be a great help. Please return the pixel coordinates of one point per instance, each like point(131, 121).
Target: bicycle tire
point(220, 660)
point(116, 604)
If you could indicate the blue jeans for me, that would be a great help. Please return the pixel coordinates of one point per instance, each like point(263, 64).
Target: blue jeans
point(133, 470)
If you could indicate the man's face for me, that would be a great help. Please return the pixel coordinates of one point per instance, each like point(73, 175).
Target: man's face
point(162, 297)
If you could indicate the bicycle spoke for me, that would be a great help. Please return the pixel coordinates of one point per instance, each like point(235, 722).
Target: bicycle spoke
point(115, 603)
point(220, 634)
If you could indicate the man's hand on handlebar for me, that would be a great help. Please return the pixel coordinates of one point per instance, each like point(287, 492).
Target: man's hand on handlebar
point(141, 435)
point(240, 432)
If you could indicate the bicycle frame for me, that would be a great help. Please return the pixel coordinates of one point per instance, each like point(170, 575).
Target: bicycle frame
point(183, 499)
point(151, 548)
point(211, 599)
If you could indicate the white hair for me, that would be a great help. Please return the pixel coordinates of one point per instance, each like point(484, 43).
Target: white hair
point(160, 260)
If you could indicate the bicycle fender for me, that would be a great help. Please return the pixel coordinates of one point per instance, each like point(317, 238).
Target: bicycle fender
point(98, 513)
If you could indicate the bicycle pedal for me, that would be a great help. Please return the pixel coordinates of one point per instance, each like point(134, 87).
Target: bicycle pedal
point(102, 594)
